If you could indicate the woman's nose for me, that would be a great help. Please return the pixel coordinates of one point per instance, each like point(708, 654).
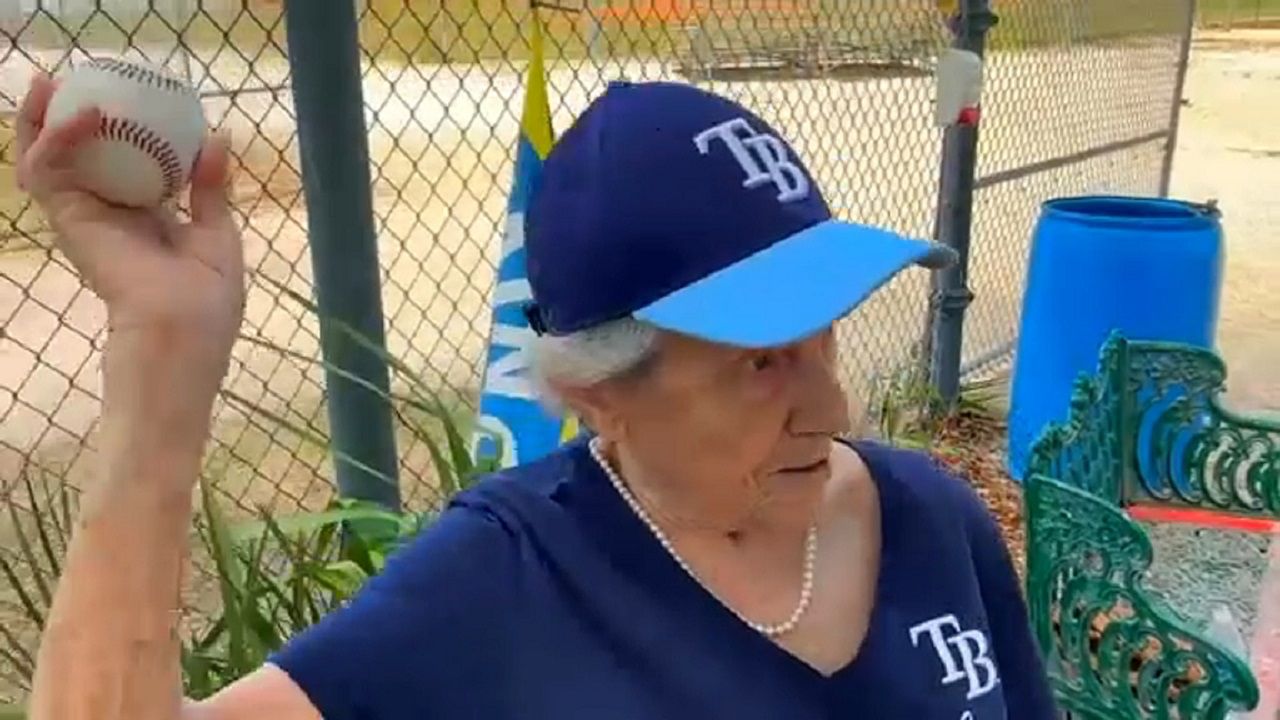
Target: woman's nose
point(819, 406)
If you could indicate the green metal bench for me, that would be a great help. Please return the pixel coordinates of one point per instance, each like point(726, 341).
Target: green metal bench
point(1147, 429)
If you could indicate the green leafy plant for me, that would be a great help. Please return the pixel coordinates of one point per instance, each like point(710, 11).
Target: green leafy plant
point(277, 576)
point(30, 573)
point(417, 406)
point(907, 409)
point(274, 576)
point(910, 410)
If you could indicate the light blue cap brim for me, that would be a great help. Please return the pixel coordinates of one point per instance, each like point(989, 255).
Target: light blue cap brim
point(794, 288)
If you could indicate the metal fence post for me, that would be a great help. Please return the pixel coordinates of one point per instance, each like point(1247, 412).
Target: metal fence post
point(1175, 112)
point(955, 216)
point(324, 58)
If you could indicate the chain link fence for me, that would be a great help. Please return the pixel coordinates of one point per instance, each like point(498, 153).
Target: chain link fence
point(849, 82)
point(1080, 97)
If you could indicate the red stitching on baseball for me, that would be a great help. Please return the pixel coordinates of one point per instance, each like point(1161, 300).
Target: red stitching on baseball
point(139, 73)
point(155, 146)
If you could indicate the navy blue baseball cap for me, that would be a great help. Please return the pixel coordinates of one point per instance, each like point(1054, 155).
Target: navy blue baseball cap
point(681, 208)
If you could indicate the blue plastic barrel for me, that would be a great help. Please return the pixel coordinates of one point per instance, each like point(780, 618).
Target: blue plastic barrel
point(1148, 267)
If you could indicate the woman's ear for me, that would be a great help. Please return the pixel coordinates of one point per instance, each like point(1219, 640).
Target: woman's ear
point(598, 407)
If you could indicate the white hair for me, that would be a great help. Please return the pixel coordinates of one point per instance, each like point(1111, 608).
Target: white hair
point(584, 358)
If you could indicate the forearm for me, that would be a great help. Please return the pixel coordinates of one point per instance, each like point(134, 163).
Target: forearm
point(110, 648)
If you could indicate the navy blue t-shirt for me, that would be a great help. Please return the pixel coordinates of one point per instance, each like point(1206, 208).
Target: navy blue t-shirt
point(539, 595)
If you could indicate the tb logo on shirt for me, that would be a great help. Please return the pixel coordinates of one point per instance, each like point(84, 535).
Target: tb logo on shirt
point(965, 654)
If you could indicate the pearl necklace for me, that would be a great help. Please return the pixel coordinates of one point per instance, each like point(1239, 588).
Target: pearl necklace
point(810, 551)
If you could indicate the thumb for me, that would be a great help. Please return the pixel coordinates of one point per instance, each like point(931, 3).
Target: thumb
point(216, 238)
point(210, 206)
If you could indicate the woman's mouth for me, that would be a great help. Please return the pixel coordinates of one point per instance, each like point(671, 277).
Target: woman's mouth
point(806, 469)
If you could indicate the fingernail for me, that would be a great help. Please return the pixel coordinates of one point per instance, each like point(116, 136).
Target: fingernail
point(90, 115)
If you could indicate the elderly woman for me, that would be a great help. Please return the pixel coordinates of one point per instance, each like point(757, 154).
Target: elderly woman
point(712, 550)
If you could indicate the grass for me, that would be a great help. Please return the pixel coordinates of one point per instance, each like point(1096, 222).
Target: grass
point(909, 411)
point(1032, 24)
point(1237, 12)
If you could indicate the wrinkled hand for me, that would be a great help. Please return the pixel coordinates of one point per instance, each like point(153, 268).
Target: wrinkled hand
point(174, 290)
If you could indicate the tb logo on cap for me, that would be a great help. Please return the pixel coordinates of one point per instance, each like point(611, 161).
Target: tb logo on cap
point(762, 157)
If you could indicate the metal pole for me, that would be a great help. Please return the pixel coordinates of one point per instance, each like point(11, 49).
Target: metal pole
point(1175, 111)
point(324, 59)
point(955, 216)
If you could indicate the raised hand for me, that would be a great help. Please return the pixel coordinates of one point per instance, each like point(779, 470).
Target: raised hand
point(173, 289)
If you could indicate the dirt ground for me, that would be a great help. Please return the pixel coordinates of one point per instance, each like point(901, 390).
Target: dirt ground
point(1229, 149)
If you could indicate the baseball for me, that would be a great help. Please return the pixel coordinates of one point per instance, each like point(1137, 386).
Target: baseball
point(151, 130)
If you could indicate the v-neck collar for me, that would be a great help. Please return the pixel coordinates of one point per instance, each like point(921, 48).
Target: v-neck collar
point(638, 553)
